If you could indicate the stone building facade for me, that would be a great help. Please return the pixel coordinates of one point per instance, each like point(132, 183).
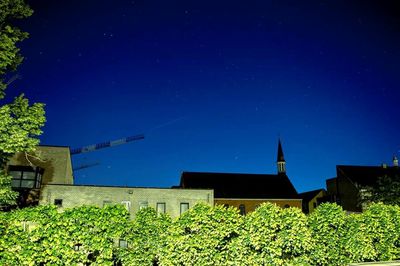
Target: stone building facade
point(55, 161)
point(47, 178)
point(173, 201)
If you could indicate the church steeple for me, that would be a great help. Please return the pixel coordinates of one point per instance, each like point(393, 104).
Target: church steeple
point(281, 160)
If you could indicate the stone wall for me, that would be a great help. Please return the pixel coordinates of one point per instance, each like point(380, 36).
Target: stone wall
point(56, 162)
point(69, 196)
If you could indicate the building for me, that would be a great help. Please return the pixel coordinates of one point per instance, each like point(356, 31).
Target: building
point(312, 199)
point(49, 165)
point(47, 178)
point(173, 201)
point(247, 191)
point(346, 188)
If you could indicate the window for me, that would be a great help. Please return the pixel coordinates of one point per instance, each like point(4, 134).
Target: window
point(107, 203)
point(77, 247)
point(161, 207)
point(58, 202)
point(25, 176)
point(315, 205)
point(123, 243)
point(126, 204)
point(242, 209)
point(25, 226)
point(184, 207)
point(143, 204)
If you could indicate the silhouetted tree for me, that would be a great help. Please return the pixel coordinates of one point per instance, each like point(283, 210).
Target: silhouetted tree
point(386, 190)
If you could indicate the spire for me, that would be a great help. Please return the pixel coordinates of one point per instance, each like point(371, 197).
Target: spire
point(280, 152)
point(281, 160)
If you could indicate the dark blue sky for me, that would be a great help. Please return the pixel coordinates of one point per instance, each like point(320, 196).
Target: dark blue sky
point(212, 84)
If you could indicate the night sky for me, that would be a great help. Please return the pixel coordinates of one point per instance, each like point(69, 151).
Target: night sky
point(213, 84)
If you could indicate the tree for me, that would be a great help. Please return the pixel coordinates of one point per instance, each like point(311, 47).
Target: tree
point(20, 122)
point(386, 190)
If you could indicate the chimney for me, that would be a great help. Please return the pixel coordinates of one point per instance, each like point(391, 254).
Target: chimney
point(395, 161)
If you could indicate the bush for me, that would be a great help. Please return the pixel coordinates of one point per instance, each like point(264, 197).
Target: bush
point(327, 224)
point(41, 235)
point(275, 236)
point(146, 236)
point(202, 236)
point(357, 243)
point(383, 228)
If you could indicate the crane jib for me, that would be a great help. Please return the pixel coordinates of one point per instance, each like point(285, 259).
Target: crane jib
point(106, 144)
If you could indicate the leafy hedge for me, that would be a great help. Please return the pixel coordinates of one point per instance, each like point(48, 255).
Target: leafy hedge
point(203, 235)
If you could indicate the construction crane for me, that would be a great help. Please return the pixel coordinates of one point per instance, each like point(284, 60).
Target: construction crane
point(83, 166)
point(106, 144)
point(13, 78)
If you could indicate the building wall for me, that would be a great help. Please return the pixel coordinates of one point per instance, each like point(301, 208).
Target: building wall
point(348, 195)
point(73, 196)
point(344, 192)
point(56, 162)
point(331, 186)
point(252, 204)
point(313, 204)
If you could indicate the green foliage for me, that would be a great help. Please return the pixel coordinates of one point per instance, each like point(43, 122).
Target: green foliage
point(10, 35)
point(276, 236)
point(386, 190)
point(7, 195)
point(41, 235)
point(20, 123)
point(146, 236)
point(383, 229)
point(358, 244)
point(327, 223)
point(22, 230)
point(202, 236)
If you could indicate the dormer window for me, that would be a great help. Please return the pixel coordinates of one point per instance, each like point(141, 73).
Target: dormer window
point(25, 177)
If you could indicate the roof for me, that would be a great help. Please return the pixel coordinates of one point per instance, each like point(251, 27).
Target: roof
point(233, 185)
point(53, 146)
point(366, 175)
point(309, 195)
point(111, 186)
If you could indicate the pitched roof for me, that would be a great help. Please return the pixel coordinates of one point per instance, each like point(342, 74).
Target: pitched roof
point(233, 185)
point(366, 175)
point(309, 195)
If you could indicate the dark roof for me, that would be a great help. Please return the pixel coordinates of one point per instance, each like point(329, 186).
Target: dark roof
point(280, 153)
point(110, 186)
point(366, 175)
point(309, 195)
point(250, 186)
